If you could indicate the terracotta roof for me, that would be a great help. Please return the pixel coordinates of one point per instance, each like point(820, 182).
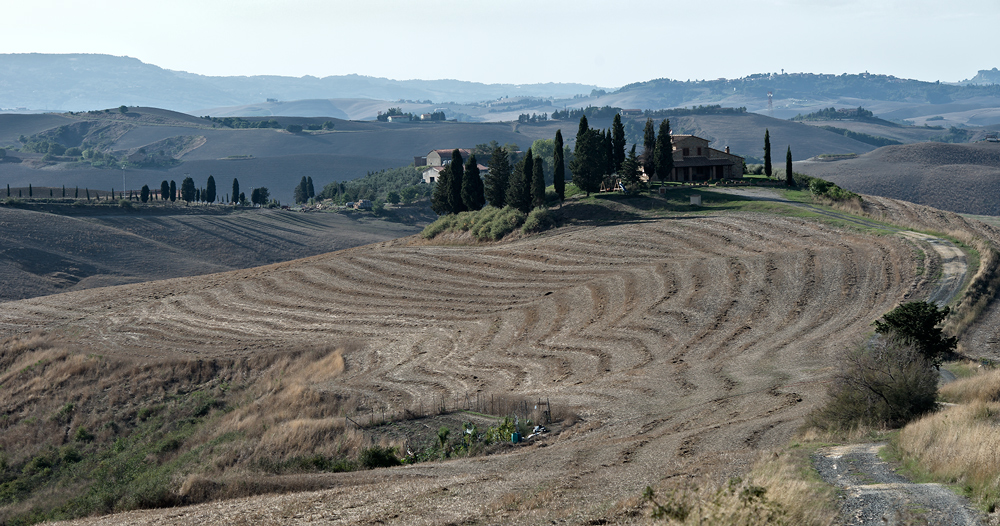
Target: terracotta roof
point(702, 161)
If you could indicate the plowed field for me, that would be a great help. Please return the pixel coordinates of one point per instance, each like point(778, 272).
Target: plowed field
point(685, 345)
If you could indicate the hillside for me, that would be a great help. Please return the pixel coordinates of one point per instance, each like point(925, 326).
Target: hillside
point(48, 249)
point(957, 177)
point(187, 145)
point(656, 367)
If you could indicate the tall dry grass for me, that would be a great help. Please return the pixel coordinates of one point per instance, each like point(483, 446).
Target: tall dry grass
point(781, 489)
point(958, 445)
point(961, 443)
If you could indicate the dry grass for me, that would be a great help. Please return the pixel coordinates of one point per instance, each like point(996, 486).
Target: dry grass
point(782, 488)
point(984, 387)
point(958, 445)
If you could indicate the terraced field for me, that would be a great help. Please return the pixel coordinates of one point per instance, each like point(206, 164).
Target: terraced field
point(684, 346)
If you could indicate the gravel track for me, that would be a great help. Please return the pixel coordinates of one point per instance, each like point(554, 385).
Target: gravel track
point(875, 495)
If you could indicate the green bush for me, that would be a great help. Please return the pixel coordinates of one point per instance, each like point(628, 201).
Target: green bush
point(379, 457)
point(538, 220)
point(883, 382)
point(82, 435)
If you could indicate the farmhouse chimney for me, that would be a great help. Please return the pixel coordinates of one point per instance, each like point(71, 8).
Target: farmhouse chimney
point(727, 149)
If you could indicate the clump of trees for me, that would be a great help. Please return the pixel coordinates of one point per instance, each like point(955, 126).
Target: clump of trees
point(303, 192)
point(891, 378)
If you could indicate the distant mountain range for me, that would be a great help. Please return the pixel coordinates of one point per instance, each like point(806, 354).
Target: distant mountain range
point(78, 82)
point(41, 82)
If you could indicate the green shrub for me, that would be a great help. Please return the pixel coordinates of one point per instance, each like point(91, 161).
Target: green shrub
point(881, 382)
point(379, 457)
point(82, 435)
point(538, 220)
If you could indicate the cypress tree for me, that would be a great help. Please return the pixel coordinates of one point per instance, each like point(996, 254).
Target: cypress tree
point(88, 194)
point(164, 190)
point(559, 170)
point(29, 190)
point(664, 159)
point(440, 202)
point(50, 193)
point(76, 193)
point(301, 192)
point(519, 191)
point(144, 193)
point(457, 177)
point(649, 149)
point(609, 153)
point(789, 180)
point(586, 164)
point(538, 184)
point(498, 178)
point(173, 191)
point(187, 189)
point(473, 193)
point(584, 126)
point(236, 189)
point(209, 192)
point(618, 140)
point(310, 189)
point(64, 191)
point(767, 152)
point(630, 168)
point(8, 189)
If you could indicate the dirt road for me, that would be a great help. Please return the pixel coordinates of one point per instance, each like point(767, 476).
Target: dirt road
point(875, 495)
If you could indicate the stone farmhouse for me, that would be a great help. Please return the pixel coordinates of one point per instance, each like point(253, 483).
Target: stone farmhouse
point(695, 161)
point(436, 160)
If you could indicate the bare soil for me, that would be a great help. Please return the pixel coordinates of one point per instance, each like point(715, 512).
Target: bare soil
point(685, 345)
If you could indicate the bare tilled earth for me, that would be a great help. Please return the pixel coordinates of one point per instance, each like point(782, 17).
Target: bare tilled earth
point(686, 346)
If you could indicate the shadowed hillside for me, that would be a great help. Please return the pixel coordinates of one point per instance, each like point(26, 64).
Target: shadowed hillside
point(957, 177)
point(45, 253)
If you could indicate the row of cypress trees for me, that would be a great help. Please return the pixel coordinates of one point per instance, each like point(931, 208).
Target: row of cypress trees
point(522, 186)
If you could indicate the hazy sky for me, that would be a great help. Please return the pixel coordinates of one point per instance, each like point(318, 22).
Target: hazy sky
point(608, 43)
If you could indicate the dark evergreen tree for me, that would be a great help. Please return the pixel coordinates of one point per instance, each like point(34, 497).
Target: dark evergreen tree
point(609, 153)
point(29, 190)
point(64, 191)
point(618, 140)
point(310, 189)
point(88, 194)
point(473, 192)
point(559, 170)
point(173, 191)
point(664, 152)
point(538, 183)
point(187, 189)
point(767, 152)
point(519, 191)
point(789, 180)
point(255, 196)
point(144, 193)
point(630, 169)
point(236, 189)
point(457, 177)
point(209, 192)
point(243, 198)
point(197, 195)
point(586, 165)
point(584, 126)
point(498, 178)
point(649, 149)
point(76, 192)
point(441, 198)
point(301, 192)
point(164, 190)
point(8, 189)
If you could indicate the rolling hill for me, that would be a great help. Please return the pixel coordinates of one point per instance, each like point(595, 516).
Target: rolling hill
point(672, 348)
point(961, 178)
point(48, 249)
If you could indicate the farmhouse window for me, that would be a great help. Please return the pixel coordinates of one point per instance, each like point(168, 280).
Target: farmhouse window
point(699, 151)
point(687, 152)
